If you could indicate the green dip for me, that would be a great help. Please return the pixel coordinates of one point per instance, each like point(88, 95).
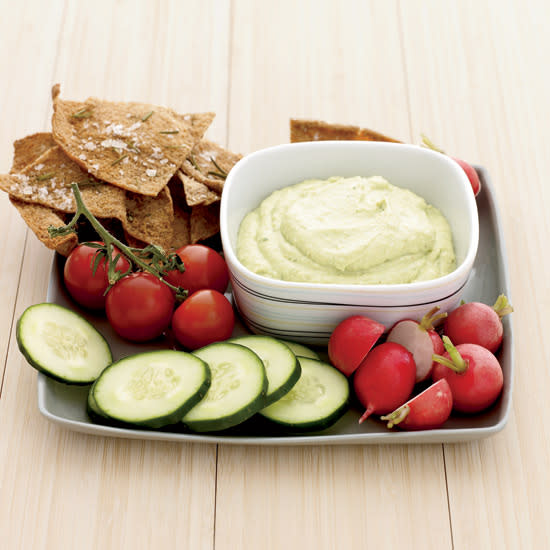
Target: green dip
point(348, 231)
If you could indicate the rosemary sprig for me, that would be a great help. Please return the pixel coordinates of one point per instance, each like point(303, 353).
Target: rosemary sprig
point(220, 169)
point(43, 177)
point(83, 113)
point(119, 159)
point(152, 258)
point(87, 182)
point(169, 132)
point(217, 174)
point(191, 159)
point(132, 146)
point(147, 116)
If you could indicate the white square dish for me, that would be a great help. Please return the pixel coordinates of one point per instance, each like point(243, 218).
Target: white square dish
point(309, 311)
point(66, 405)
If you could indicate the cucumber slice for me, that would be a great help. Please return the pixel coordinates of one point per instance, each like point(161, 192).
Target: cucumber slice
point(301, 351)
point(94, 412)
point(91, 406)
point(62, 344)
point(281, 366)
point(238, 389)
point(152, 389)
point(317, 400)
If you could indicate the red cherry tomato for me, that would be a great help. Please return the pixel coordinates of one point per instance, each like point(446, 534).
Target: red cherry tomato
point(88, 288)
point(205, 317)
point(139, 307)
point(204, 268)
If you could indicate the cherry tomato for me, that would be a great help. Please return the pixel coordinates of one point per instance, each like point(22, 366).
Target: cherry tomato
point(205, 317)
point(204, 268)
point(88, 288)
point(139, 307)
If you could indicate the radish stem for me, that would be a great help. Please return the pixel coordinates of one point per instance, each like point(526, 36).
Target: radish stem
point(429, 321)
point(397, 416)
point(427, 142)
point(502, 307)
point(455, 362)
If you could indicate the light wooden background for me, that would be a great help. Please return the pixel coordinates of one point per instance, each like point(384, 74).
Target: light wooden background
point(471, 74)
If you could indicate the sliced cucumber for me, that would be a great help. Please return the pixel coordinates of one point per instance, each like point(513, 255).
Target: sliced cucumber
point(153, 389)
point(317, 400)
point(281, 366)
point(94, 412)
point(62, 344)
point(301, 351)
point(238, 389)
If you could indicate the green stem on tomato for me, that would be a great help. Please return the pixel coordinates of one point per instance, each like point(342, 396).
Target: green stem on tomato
point(160, 261)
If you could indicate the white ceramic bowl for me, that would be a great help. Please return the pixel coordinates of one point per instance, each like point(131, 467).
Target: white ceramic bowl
point(308, 312)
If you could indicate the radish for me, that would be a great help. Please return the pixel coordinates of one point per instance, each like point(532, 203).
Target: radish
point(351, 340)
point(473, 373)
point(477, 323)
point(426, 411)
point(421, 339)
point(468, 168)
point(385, 379)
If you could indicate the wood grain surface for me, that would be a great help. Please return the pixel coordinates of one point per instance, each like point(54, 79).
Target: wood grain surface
point(469, 74)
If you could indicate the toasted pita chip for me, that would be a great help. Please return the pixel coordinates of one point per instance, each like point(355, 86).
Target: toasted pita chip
point(209, 163)
point(39, 218)
point(135, 146)
point(182, 232)
point(133, 242)
point(316, 130)
point(204, 222)
point(197, 193)
point(198, 122)
point(150, 219)
point(47, 181)
point(29, 148)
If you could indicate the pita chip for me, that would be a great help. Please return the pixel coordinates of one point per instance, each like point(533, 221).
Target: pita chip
point(135, 146)
point(209, 163)
point(316, 130)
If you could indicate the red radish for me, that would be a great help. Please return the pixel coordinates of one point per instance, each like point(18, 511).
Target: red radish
point(351, 340)
point(477, 323)
point(473, 373)
point(471, 173)
point(385, 379)
point(468, 168)
point(425, 411)
point(421, 339)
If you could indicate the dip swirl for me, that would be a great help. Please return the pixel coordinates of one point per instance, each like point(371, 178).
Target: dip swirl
point(347, 231)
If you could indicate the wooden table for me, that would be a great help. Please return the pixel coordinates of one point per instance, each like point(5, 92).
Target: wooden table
point(473, 76)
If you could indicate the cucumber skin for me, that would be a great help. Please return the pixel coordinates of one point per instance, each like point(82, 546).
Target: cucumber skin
point(219, 424)
point(36, 365)
point(287, 386)
point(159, 421)
point(314, 425)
